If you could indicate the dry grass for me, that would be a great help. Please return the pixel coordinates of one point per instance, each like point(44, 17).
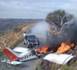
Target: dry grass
point(10, 39)
point(52, 66)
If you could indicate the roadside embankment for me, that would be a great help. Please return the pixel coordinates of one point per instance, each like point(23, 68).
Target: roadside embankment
point(11, 39)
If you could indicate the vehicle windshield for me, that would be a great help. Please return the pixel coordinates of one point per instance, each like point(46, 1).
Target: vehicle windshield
point(31, 37)
point(18, 52)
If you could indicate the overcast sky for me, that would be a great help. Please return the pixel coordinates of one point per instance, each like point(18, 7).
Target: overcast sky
point(34, 8)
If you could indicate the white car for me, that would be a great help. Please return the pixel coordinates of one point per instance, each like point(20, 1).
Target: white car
point(58, 58)
point(24, 53)
point(18, 55)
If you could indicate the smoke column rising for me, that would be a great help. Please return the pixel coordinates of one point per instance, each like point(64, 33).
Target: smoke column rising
point(68, 32)
point(41, 31)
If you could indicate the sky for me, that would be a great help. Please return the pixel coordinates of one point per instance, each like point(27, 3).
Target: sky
point(34, 8)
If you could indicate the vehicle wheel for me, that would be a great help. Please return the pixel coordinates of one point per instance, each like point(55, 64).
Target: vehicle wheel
point(26, 43)
point(38, 55)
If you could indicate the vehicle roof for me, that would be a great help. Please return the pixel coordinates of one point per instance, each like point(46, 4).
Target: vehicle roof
point(23, 51)
point(58, 58)
point(28, 34)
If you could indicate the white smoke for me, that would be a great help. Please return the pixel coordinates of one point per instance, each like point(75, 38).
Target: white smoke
point(41, 31)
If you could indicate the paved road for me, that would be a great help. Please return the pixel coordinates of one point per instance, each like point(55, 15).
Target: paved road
point(29, 65)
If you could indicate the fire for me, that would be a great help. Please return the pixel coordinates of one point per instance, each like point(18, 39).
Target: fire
point(65, 47)
point(42, 50)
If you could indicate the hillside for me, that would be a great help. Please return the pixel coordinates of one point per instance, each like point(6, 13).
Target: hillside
point(10, 39)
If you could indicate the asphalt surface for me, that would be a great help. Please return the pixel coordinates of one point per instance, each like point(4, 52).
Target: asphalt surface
point(28, 65)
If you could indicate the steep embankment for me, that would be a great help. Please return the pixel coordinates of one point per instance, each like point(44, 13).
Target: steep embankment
point(10, 39)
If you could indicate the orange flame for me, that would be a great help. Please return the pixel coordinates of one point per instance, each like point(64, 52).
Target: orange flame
point(42, 50)
point(65, 47)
